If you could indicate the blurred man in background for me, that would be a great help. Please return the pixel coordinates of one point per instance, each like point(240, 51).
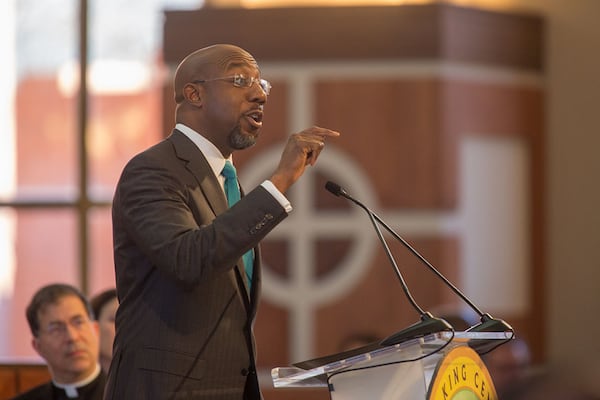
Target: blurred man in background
point(65, 335)
point(104, 305)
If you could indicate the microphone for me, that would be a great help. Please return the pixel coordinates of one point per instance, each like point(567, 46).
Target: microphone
point(487, 324)
point(428, 323)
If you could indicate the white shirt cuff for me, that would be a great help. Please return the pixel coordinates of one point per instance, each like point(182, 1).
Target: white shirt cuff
point(285, 203)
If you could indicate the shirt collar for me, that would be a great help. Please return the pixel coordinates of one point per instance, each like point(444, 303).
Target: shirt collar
point(71, 388)
point(211, 153)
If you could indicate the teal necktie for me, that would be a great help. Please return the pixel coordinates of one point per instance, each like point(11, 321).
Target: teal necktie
point(232, 192)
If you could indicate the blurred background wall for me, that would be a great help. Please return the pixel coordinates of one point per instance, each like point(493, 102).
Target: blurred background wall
point(520, 235)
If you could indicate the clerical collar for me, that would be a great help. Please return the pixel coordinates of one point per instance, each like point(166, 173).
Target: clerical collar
point(71, 388)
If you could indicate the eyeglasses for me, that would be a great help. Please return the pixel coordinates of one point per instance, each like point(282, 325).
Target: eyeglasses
point(58, 329)
point(242, 81)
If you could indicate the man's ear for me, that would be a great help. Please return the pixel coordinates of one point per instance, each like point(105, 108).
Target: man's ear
point(192, 94)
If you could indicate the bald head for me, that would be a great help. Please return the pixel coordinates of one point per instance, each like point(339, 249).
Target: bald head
point(209, 62)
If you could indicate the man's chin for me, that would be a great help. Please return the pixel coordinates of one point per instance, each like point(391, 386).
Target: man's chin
point(243, 141)
point(82, 364)
point(80, 369)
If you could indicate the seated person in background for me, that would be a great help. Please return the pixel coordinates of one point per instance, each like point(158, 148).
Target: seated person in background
point(105, 305)
point(66, 337)
point(509, 366)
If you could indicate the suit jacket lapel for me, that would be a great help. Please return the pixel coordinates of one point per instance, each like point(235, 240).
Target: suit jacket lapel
point(196, 163)
point(210, 187)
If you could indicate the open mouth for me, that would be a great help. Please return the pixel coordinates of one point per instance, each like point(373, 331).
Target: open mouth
point(255, 117)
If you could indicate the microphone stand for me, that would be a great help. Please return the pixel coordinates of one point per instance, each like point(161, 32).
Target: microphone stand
point(428, 323)
point(487, 322)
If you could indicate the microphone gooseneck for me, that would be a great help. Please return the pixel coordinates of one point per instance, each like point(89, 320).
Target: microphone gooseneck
point(487, 324)
point(338, 191)
point(428, 323)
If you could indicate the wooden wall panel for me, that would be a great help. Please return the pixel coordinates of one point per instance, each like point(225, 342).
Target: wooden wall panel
point(431, 31)
point(8, 382)
point(377, 307)
point(18, 378)
point(483, 108)
point(392, 129)
point(403, 129)
point(488, 108)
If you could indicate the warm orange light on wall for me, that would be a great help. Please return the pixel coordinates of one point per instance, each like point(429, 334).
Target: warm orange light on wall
point(486, 4)
point(286, 3)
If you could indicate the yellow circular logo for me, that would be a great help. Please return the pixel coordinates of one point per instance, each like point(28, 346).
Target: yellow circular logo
point(461, 375)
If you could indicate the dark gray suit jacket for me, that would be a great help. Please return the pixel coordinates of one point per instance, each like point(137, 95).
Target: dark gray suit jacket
point(184, 323)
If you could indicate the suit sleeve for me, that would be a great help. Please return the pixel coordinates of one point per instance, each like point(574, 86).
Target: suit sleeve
point(163, 214)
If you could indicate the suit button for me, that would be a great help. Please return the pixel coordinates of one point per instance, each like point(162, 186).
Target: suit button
point(244, 372)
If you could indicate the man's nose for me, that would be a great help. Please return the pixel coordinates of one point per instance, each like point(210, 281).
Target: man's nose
point(72, 331)
point(257, 92)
